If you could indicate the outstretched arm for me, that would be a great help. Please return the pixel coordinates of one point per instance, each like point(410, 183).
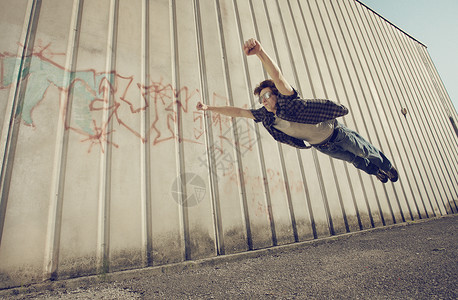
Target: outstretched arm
point(253, 47)
point(226, 110)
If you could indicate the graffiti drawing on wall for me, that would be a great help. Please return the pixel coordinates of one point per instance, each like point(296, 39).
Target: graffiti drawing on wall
point(90, 90)
point(92, 110)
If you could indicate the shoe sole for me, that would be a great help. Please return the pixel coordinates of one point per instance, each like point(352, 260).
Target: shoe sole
point(393, 175)
point(382, 177)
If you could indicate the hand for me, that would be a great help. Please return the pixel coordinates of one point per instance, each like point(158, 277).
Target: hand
point(252, 47)
point(201, 106)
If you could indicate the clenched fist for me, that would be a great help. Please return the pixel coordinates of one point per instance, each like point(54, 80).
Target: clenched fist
point(252, 47)
point(201, 106)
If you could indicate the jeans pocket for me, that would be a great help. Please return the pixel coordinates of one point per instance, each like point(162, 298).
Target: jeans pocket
point(341, 135)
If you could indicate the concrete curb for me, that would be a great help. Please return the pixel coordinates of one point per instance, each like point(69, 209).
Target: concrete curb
point(194, 264)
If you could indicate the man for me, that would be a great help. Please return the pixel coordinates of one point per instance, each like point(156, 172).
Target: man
point(292, 121)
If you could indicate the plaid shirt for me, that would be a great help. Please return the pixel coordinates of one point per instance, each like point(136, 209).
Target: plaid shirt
point(293, 109)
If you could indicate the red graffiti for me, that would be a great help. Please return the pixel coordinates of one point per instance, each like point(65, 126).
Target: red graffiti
point(104, 104)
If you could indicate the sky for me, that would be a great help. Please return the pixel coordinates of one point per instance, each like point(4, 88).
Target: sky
point(435, 24)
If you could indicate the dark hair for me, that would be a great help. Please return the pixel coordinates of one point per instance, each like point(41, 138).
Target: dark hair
point(269, 83)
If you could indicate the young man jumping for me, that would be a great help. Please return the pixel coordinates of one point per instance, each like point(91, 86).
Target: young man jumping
point(292, 121)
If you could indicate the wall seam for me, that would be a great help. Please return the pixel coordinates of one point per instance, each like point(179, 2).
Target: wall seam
point(243, 193)
point(215, 198)
point(103, 251)
point(260, 146)
point(146, 207)
point(181, 179)
point(13, 123)
point(61, 149)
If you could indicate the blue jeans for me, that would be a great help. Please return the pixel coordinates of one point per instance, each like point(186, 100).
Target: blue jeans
point(349, 146)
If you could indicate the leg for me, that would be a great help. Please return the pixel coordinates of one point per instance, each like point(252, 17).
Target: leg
point(359, 162)
point(365, 165)
point(352, 147)
point(353, 142)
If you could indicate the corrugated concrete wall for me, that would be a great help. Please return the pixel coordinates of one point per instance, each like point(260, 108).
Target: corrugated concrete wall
point(107, 165)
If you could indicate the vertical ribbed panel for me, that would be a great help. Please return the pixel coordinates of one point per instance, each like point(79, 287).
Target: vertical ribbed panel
point(181, 171)
point(391, 133)
point(108, 166)
point(147, 235)
point(61, 150)
point(104, 212)
point(398, 100)
point(408, 162)
point(238, 162)
point(18, 86)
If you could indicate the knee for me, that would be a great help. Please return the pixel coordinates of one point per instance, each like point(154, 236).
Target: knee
point(363, 153)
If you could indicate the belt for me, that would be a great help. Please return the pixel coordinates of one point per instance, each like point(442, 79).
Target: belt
point(328, 141)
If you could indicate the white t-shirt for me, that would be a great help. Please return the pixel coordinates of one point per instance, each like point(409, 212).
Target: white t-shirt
point(312, 133)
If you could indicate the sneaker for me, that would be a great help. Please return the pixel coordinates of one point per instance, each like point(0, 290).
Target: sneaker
point(382, 176)
point(392, 174)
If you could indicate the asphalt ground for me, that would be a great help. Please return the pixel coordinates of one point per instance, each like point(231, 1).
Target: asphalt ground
point(415, 260)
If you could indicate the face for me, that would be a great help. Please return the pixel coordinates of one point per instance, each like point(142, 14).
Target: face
point(268, 99)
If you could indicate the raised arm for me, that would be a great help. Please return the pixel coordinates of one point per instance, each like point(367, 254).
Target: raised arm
point(226, 110)
point(253, 47)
